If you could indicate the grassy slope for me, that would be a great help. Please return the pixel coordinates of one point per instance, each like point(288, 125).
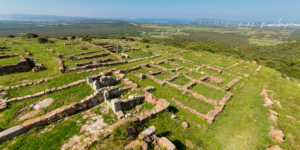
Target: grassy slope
point(243, 124)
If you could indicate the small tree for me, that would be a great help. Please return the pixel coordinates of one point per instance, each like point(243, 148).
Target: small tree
point(73, 37)
point(145, 40)
point(30, 35)
point(10, 36)
point(64, 38)
point(43, 40)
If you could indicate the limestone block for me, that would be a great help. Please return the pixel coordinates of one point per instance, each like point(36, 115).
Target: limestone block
point(148, 132)
point(120, 114)
point(44, 103)
point(11, 133)
point(96, 85)
point(166, 143)
point(163, 103)
point(89, 80)
point(116, 105)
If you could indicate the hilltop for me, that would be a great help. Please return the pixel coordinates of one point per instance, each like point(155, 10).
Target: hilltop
point(94, 93)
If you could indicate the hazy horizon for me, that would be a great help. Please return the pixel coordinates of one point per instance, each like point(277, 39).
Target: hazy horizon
point(254, 10)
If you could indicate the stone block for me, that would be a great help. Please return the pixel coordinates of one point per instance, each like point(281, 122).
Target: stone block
point(116, 105)
point(120, 114)
point(166, 143)
point(11, 133)
point(148, 132)
point(163, 103)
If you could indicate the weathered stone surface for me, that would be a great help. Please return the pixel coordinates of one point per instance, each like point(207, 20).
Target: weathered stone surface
point(166, 143)
point(150, 98)
point(120, 114)
point(184, 125)
point(144, 145)
point(30, 114)
point(44, 103)
point(267, 102)
point(134, 145)
point(10, 133)
point(148, 132)
point(189, 143)
point(163, 103)
point(116, 105)
point(274, 147)
point(276, 135)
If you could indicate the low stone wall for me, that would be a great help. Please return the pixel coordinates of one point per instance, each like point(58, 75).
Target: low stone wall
point(28, 84)
point(85, 53)
point(7, 56)
point(193, 111)
point(94, 62)
point(235, 64)
point(258, 69)
point(174, 77)
point(93, 56)
point(96, 65)
point(155, 79)
point(138, 59)
point(61, 65)
point(206, 84)
point(47, 91)
point(215, 79)
point(21, 66)
point(115, 55)
point(230, 84)
point(154, 73)
point(131, 102)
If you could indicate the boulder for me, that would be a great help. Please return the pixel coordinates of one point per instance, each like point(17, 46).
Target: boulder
point(166, 143)
point(184, 125)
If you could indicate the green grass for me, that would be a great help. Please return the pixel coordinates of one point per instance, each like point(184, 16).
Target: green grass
point(9, 61)
point(138, 54)
point(181, 81)
point(167, 66)
point(195, 75)
point(61, 98)
point(208, 92)
point(164, 75)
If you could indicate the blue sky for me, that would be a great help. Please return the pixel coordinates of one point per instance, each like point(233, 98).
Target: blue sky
point(260, 10)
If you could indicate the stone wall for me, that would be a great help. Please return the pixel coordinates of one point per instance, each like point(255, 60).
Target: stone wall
point(7, 56)
point(86, 53)
point(61, 65)
point(230, 84)
point(90, 66)
point(21, 66)
point(93, 56)
point(94, 62)
point(258, 69)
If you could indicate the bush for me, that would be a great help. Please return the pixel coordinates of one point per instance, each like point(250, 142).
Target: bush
point(147, 46)
point(43, 40)
point(144, 40)
point(30, 35)
point(64, 38)
point(73, 37)
point(130, 39)
point(10, 36)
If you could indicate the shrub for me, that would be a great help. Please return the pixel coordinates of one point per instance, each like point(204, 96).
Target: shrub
point(10, 36)
point(64, 38)
point(43, 40)
point(73, 37)
point(30, 35)
point(144, 40)
point(147, 46)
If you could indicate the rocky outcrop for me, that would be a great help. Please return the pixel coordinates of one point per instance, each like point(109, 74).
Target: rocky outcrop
point(258, 69)
point(38, 67)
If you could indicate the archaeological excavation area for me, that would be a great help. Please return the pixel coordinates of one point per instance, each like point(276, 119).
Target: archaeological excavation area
point(120, 94)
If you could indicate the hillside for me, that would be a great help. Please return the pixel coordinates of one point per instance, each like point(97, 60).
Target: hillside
point(82, 97)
